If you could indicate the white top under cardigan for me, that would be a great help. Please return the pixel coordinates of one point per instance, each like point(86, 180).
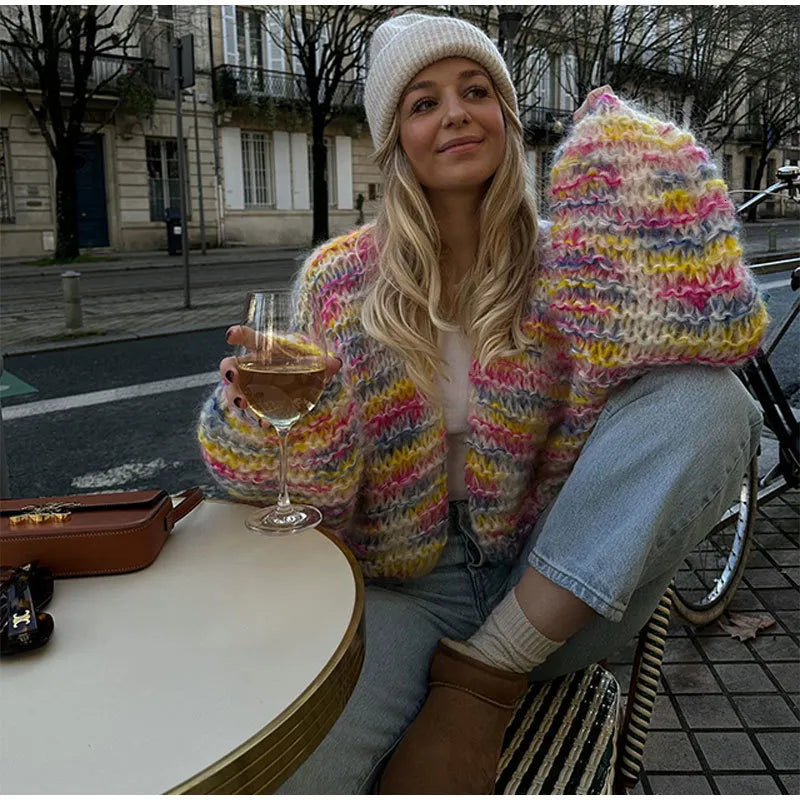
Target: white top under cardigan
point(454, 387)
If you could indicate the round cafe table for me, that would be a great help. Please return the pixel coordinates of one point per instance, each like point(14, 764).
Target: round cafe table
point(218, 669)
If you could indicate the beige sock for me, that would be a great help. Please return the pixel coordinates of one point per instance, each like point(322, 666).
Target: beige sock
point(507, 639)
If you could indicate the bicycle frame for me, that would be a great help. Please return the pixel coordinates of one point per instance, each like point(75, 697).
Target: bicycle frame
point(759, 377)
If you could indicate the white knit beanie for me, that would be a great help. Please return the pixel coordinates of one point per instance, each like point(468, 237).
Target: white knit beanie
point(405, 44)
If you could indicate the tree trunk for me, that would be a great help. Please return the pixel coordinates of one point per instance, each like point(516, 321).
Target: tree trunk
point(763, 156)
point(319, 163)
point(66, 205)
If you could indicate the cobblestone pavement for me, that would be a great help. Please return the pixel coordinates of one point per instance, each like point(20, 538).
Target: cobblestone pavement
point(727, 718)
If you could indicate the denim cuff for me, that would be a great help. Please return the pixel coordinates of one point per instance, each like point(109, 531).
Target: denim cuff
point(611, 609)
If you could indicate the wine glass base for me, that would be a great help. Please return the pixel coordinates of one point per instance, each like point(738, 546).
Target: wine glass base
point(276, 521)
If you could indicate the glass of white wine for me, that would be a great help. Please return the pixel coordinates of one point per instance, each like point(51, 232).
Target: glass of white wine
point(282, 374)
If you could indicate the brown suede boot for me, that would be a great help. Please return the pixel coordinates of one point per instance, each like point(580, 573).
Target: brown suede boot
point(454, 744)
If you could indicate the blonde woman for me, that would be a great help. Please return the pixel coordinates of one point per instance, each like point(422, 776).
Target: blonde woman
point(527, 429)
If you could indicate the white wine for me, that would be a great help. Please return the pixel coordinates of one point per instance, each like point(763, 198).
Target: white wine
point(281, 393)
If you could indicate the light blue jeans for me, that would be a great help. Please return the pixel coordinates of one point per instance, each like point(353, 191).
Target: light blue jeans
point(662, 464)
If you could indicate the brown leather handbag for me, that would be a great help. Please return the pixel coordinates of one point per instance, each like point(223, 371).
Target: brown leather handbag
point(93, 534)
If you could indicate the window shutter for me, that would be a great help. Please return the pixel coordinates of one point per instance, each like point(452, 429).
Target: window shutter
point(232, 167)
point(344, 172)
point(300, 180)
point(618, 31)
point(571, 82)
point(275, 52)
point(229, 46)
point(283, 175)
point(297, 67)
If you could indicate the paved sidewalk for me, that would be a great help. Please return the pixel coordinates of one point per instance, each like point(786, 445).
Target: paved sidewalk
point(116, 307)
point(153, 259)
point(727, 718)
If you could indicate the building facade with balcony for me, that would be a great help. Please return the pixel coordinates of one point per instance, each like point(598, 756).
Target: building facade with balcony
point(253, 139)
point(128, 173)
point(265, 139)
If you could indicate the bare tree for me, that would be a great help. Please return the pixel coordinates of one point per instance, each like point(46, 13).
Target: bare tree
point(58, 59)
point(776, 117)
point(723, 54)
point(329, 45)
point(627, 47)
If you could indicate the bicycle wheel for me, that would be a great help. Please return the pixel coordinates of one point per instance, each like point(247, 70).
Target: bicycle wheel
point(707, 579)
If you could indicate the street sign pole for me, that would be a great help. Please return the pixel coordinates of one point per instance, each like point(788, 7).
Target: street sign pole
point(177, 83)
point(182, 73)
point(199, 176)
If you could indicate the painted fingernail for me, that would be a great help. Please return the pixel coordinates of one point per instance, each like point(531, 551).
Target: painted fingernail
point(237, 401)
point(229, 376)
point(228, 334)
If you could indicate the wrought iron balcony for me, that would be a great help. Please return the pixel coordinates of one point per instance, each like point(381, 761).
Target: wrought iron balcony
point(542, 119)
point(243, 85)
point(104, 79)
point(749, 132)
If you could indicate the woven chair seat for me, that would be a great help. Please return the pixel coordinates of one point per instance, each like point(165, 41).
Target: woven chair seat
point(563, 737)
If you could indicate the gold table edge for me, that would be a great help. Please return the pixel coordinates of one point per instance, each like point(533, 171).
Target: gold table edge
point(205, 780)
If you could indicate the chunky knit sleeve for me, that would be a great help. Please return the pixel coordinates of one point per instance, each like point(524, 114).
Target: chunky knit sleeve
point(324, 458)
point(645, 267)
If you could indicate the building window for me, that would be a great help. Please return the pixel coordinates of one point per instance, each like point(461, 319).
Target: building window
point(330, 171)
point(554, 93)
point(771, 172)
point(158, 12)
point(257, 170)
point(727, 168)
point(162, 172)
point(6, 186)
point(249, 38)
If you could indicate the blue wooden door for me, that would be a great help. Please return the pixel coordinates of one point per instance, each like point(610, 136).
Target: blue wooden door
point(91, 180)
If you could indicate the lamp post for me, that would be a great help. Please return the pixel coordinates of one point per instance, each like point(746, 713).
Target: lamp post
point(509, 19)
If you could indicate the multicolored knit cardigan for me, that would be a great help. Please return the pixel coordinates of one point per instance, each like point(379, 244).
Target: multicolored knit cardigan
point(641, 268)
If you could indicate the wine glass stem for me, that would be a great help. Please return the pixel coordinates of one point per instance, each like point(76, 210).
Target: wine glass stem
point(283, 497)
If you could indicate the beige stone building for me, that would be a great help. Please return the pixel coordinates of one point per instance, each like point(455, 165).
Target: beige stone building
point(252, 148)
point(265, 139)
point(128, 170)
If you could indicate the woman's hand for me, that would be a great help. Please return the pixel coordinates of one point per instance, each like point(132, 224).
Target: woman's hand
point(590, 100)
point(241, 335)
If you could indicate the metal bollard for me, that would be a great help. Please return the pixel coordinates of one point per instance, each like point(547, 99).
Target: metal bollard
point(772, 233)
point(71, 287)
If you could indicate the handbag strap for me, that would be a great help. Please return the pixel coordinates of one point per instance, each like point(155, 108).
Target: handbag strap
point(191, 498)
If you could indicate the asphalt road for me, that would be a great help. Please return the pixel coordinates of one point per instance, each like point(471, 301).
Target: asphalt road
point(145, 441)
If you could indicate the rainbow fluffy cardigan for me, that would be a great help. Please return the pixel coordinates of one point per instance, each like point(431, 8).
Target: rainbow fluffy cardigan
point(641, 268)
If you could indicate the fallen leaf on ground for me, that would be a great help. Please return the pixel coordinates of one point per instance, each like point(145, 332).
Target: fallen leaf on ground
point(745, 626)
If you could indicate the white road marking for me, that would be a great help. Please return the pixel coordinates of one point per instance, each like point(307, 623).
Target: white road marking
point(123, 474)
point(782, 283)
point(109, 396)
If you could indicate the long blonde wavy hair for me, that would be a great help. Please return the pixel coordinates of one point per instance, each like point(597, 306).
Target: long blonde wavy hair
point(405, 306)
